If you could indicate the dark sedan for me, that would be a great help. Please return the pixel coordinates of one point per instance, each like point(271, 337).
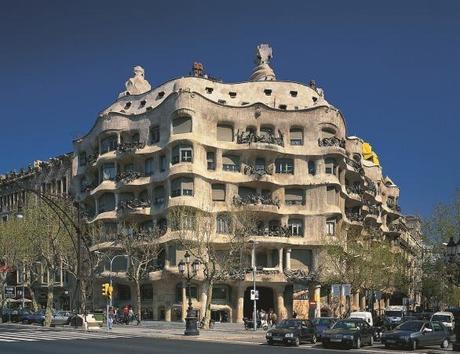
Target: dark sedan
point(35, 317)
point(415, 334)
point(323, 323)
point(291, 332)
point(349, 333)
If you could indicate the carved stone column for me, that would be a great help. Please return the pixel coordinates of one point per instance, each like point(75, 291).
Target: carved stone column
point(239, 313)
point(280, 260)
point(184, 301)
point(288, 258)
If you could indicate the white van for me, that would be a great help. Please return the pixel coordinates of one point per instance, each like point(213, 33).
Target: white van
point(446, 318)
point(366, 316)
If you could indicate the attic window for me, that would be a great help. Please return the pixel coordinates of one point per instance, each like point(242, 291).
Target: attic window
point(268, 92)
point(127, 105)
point(244, 103)
point(149, 108)
point(143, 102)
point(160, 94)
point(222, 101)
point(209, 90)
point(296, 107)
point(293, 93)
point(232, 94)
point(314, 99)
point(282, 106)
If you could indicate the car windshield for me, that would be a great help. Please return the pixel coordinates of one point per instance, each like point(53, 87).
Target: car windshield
point(346, 324)
point(409, 318)
point(322, 321)
point(412, 326)
point(393, 313)
point(441, 318)
point(288, 324)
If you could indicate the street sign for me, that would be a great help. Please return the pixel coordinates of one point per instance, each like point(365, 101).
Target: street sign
point(254, 294)
point(10, 291)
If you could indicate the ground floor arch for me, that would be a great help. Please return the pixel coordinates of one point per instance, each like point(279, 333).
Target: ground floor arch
point(266, 300)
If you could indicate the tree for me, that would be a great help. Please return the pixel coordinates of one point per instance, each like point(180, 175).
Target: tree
point(219, 253)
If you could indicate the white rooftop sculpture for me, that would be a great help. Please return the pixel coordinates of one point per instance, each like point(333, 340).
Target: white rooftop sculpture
point(137, 84)
point(262, 71)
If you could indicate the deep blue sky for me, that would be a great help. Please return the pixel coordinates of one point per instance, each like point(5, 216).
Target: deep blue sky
point(392, 67)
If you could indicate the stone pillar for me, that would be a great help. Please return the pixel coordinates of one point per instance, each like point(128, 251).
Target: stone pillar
point(203, 299)
point(253, 257)
point(280, 260)
point(184, 300)
point(280, 308)
point(355, 301)
point(239, 313)
point(288, 258)
point(317, 298)
point(168, 313)
point(362, 305)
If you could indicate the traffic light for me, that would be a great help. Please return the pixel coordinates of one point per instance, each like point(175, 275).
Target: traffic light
point(109, 291)
point(105, 289)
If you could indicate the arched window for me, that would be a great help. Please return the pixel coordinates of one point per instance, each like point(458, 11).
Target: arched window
point(181, 125)
point(231, 163)
point(296, 136)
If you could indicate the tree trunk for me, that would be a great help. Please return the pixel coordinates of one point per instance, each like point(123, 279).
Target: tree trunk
point(138, 299)
point(83, 297)
point(49, 303)
point(33, 297)
point(207, 312)
point(2, 287)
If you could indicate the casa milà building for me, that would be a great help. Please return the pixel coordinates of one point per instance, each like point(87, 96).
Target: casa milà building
point(275, 147)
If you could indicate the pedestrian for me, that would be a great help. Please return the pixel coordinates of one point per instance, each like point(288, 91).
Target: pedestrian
point(110, 318)
point(294, 314)
point(126, 314)
point(131, 313)
point(274, 317)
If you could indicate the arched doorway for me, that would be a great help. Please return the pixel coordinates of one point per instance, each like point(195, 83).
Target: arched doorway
point(266, 300)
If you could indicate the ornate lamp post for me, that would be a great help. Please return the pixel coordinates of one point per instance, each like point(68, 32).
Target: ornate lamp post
point(191, 321)
point(453, 255)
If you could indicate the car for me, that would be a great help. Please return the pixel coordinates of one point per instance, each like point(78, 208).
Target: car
point(414, 334)
point(446, 318)
point(365, 316)
point(35, 317)
point(61, 318)
point(409, 318)
point(349, 333)
point(292, 331)
point(321, 324)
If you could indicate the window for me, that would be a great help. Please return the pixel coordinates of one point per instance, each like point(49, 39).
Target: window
point(268, 92)
point(129, 167)
point(182, 153)
point(232, 94)
point(301, 258)
point(246, 191)
point(149, 167)
point(223, 224)
point(218, 192)
point(109, 144)
point(108, 171)
point(162, 163)
point(296, 136)
point(211, 159)
point(82, 158)
point(219, 292)
point(182, 186)
point(260, 164)
point(146, 292)
point(284, 166)
point(231, 163)
point(293, 93)
point(224, 132)
point(158, 196)
point(296, 227)
point(328, 132)
point(106, 202)
point(331, 195)
point(294, 197)
point(282, 106)
point(181, 125)
point(330, 227)
point(311, 168)
point(330, 166)
point(124, 292)
point(154, 134)
point(193, 291)
point(209, 90)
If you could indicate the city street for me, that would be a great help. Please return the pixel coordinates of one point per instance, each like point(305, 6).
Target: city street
point(37, 340)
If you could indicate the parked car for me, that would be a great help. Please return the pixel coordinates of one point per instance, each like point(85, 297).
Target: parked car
point(365, 316)
point(415, 334)
point(35, 317)
point(321, 324)
point(446, 318)
point(349, 333)
point(61, 318)
point(291, 331)
point(409, 318)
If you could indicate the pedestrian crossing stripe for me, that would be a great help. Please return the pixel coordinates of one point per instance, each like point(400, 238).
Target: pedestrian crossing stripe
point(26, 336)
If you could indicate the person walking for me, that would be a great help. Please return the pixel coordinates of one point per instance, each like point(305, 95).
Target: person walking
point(126, 314)
point(110, 318)
point(131, 313)
point(274, 318)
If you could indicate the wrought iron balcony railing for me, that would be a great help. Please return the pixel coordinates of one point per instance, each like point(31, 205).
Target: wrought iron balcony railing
point(133, 204)
point(355, 189)
point(355, 165)
point(255, 199)
point(129, 147)
point(128, 176)
point(249, 137)
point(257, 171)
point(90, 159)
point(332, 141)
point(354, 216)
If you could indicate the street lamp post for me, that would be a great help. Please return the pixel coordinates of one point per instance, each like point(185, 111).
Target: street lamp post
point(191, 321)
point(453, 253)
point(254, 269)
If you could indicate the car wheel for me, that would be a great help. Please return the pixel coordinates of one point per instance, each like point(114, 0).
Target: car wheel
point(371, 341)
point(326, 346)
point(413, 345)
point(357, 343)
point(270, 342)
point(387, 346)
point(314, 339)
point(297, 342)
point(445, 343)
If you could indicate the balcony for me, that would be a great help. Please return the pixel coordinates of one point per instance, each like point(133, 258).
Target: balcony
point(370, 187)
point(396, 208)
point(355, 189)
point(354, 216)
point(91, 159)
point(249, 137)
point(331, 142)
point(257, 171)
point(296, 275)
point(124, 148)
point(87, 187)
point(396, 227)
point(231, 168)
point(255, 199)
point(128, 176)
point(273, 231)
point(355, 165)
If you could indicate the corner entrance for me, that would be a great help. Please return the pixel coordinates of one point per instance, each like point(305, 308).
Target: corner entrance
point(266, 300)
